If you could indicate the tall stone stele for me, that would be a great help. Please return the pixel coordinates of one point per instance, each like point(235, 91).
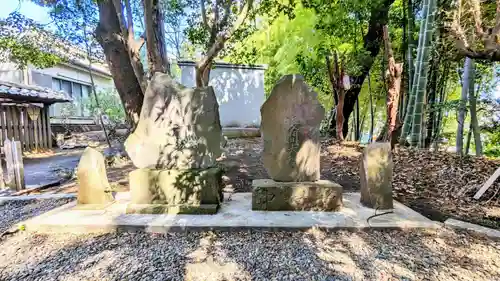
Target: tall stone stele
point(290, 128)
point(376, 169)
point(175, 146)
point(93, 185)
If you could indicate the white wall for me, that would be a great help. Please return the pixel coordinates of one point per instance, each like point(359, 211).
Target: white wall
point(239, 91)
point(10, 73)
point(77, 74)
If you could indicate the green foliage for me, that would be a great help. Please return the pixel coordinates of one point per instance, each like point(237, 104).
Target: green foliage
point(299, 40)
point(110, 104)
point(27, 53)
point(24, 42)
point(492, 145)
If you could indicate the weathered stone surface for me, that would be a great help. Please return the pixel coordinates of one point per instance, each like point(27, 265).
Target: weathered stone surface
point(93, 185)
point(322, 195)
point(176, 187)
point(179, 128)
point(205, 209)
point(291, 118)
point(376, 176)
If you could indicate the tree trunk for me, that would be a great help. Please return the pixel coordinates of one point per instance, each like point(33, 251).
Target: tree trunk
point(333, 116)
point(410, 104)
point(357, 133)
point(339, 73)
point(469, 136)
point(439, 119)
point(155, 37)
point(416, 139)
point(114, 45)
point(372, 114)
point(466, 80)
point(333, 121)
point(473, 113)
point(371, 43)
point(432, 87)
point(411, 45)
point(393, 78)
point(331, 77)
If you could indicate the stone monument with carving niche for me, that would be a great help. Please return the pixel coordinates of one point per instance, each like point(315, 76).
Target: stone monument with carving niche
point(290, 128)
point(175, 147)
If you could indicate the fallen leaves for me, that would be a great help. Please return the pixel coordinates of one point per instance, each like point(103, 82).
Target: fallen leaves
point(437, 184)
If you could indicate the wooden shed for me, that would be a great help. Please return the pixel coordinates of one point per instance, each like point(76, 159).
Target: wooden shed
point(24, 114)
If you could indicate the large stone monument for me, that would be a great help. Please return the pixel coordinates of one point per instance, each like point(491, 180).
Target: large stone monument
point(290, 125)
point(93, 185)
point(376, 176)
point(175, 146)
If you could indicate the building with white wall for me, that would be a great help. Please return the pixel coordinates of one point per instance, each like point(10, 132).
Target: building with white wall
point(73, 78)
point(239, 90)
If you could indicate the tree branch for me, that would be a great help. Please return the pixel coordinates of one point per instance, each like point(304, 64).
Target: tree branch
point(204, 15)
point(130, 19)
point(121, 20)
point(221, 40)
point(478, 24)
point(241, 18)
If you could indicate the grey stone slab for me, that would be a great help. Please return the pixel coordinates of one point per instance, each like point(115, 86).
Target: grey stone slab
point(322, 195)
point(234, 214)
point(458, 224)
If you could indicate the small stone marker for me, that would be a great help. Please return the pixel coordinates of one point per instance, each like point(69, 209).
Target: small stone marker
point(93, 185)
point(14, 162)
point(175, 146)
point(291, 119)
point(376, 176)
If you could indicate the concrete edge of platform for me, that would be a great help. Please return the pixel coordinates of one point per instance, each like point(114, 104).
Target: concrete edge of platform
point(179, 229)
point(37, 196)
point(458, 224)
point(133, 223)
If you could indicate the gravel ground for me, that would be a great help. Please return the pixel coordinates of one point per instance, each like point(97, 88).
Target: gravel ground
point(313, 255)
point(12, 212)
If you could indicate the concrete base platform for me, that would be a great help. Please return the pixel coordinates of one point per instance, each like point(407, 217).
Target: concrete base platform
point(205, 209)
point(234, 214)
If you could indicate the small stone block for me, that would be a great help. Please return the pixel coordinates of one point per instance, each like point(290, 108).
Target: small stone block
point(206, 209)
point(322, 195)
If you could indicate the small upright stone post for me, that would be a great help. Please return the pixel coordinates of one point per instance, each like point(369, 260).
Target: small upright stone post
point(14, 163)
point(93, 185)
point(376, 176)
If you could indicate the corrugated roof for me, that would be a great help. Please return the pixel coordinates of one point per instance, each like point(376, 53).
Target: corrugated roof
point(17, 91)
point(222, 64)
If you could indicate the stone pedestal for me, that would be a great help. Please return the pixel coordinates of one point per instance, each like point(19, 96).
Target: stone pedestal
point(376, 176)
point(190, 191)
point(322, 195)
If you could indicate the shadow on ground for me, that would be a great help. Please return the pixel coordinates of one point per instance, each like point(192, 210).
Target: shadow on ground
point(313, 255)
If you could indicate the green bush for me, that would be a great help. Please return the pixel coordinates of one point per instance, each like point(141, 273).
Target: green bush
point(109, 103)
